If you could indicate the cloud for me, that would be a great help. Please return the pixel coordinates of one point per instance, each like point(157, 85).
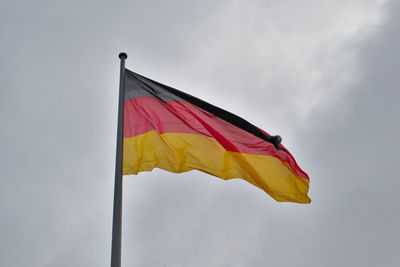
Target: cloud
point(321, 74)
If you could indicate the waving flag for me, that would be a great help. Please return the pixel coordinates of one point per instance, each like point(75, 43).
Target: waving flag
point(171, 130)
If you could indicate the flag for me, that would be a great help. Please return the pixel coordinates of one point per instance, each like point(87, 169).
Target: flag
point(168, 129)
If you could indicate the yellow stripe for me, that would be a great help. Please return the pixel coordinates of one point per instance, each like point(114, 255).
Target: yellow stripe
point(181, 152)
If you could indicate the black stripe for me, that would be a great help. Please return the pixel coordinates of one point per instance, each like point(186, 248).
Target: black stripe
point(137, 85)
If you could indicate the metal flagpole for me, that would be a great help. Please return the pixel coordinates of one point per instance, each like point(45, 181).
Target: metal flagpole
point(117, 213)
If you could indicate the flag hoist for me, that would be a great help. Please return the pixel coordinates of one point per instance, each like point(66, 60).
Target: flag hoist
point(162, 127)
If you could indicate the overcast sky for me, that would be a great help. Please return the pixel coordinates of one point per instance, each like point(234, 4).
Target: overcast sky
point(322, 74)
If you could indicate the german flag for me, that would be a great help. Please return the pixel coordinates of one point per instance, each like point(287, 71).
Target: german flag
point(174, 131)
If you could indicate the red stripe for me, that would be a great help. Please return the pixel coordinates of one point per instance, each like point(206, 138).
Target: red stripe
point(144, 114)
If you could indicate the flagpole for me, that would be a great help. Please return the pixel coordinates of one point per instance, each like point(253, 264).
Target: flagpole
point(117, 212)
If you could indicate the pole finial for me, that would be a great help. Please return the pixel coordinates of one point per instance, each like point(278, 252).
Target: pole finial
point(123, 55)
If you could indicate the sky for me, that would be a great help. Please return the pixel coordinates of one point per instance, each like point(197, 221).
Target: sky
point(321, 74)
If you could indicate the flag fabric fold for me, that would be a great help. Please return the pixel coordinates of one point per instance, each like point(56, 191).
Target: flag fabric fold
point(174, 131)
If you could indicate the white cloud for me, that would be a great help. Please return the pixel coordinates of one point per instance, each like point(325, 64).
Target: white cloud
point(300, 53)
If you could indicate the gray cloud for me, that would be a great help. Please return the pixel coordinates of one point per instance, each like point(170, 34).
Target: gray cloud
point(322, 75)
